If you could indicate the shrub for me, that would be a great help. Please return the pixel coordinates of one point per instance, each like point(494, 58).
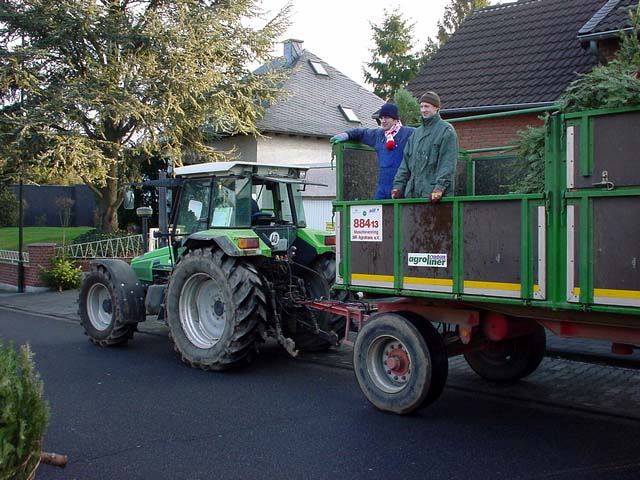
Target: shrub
point(9, 210)
point(63, 274)
point(24, 414)
point(94, 235)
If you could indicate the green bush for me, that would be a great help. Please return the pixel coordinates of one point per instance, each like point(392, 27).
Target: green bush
point(94, 235)
point(9, 210)
point(24, 414)
point(63, 274)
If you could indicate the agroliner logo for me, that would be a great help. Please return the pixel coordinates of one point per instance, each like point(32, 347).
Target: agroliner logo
point(437, 260)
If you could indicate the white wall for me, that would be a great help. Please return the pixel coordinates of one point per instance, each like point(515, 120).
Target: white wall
point(318, 212)
point(293, 150)
point(245, 146)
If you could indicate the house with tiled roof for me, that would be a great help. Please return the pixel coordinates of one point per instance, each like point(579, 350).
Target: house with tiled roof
point(318, 101)
point(516, 56)
point(601, 32)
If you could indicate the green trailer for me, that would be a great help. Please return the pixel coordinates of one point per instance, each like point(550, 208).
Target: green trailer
point(484, 274)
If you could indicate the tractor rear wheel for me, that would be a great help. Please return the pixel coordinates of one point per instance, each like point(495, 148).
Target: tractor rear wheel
point(400, 362)
point(509, 360)
point(214, 305)
point(100, 313)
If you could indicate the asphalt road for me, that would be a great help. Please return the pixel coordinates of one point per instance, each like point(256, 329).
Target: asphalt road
point(136, 413)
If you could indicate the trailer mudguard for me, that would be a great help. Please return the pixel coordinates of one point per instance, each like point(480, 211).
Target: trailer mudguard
point(129, 291)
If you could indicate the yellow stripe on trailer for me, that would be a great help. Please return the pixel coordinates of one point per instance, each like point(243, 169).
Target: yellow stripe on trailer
point(624, 298)
point(368, 280)
point(428, 284)
point(498, 289)
point(607, 292)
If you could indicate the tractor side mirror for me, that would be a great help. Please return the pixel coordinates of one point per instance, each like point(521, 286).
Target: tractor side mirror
point(129, 199)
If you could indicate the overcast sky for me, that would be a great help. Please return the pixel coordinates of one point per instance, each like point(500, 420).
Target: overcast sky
point(339, 31)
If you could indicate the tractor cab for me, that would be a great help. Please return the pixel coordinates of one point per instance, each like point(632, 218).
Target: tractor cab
point(238, 196)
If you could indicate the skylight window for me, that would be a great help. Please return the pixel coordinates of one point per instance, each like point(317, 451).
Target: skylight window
point(349, 114)
point(318, 68)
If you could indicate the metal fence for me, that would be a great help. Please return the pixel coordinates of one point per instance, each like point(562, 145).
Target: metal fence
point(12, 256)
point(122, 247)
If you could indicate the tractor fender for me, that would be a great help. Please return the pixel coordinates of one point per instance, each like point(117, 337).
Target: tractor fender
point(223, 242)
point(129, 291)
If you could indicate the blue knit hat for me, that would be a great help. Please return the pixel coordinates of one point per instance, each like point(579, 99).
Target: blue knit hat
point(389, 110)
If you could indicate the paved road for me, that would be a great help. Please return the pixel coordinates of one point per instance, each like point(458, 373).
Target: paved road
point(136, 412)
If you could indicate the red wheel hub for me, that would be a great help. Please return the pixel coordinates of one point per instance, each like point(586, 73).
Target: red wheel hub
point(397, 361)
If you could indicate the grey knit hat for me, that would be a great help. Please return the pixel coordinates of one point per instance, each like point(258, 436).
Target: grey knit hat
point(432, 98)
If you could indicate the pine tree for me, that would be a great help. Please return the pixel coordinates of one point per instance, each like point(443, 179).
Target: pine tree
point(454, 13)
point(23, 414)
point(392, 64)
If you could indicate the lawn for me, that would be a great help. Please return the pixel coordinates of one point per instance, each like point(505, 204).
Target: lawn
point(9, 235)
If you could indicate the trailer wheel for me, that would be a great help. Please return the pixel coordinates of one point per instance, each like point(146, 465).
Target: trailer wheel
point(400, 362)
point(511, 359)
point(214, 304)
point(99, 310)
point(319, 285)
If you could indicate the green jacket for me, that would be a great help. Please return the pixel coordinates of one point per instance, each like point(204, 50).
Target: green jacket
point(429, 160)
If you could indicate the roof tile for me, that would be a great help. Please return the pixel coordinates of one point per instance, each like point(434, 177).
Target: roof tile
point(516, 53)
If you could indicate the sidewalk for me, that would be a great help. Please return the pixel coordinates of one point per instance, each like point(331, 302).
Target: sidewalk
point(579, 374)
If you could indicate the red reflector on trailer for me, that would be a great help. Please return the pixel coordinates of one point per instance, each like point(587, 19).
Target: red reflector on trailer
point(330, 240)
point(252, 242)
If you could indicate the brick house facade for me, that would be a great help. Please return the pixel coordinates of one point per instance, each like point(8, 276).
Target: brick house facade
point(518, 56)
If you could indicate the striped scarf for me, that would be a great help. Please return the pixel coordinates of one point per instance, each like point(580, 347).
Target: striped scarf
point(389, 134)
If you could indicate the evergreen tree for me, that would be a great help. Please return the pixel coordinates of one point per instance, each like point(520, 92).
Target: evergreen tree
point(24, 414)
point(454, 13)
point(407, 106)
point(96, 87)
point(392, 64)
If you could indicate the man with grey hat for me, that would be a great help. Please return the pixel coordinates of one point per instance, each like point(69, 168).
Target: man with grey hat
point(430, 156)
point(388, 141)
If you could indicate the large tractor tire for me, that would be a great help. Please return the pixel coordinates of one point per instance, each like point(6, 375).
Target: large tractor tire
point(318, 285)
point(101, 312)
point(214, 304)
point(509, 360)
point(400, 362)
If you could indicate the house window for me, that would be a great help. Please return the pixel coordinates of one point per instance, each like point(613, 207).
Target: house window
point(349, 114)
point(318, 68)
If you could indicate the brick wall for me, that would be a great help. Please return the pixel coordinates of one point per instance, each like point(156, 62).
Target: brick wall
point(40, 255)
point(493, 132)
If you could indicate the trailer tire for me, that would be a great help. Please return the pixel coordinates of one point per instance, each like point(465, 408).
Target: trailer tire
point(99, 309)
point(509, 360)
point(400, 362)
point(320, 286)
point(214, 305)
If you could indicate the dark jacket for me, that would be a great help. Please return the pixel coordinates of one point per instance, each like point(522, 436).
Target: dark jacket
point(388, 160)
point(429, 160)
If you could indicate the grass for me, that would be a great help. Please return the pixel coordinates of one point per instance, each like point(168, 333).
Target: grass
point(9, 235)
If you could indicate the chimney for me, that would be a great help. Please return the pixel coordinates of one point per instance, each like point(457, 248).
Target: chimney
point(292, 50)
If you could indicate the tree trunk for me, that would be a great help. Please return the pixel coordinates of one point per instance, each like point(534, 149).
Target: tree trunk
point(108, 204)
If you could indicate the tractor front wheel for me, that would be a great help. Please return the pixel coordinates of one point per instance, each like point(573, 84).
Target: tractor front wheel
point(100, 311)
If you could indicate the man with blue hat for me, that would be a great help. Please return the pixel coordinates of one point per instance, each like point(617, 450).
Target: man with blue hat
point(388, 141)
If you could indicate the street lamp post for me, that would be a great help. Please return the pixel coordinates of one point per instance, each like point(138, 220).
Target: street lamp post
point(20, 236)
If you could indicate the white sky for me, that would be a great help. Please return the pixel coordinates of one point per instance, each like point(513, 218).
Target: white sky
point(339, 32)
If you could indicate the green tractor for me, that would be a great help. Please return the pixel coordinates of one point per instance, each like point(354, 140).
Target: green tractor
point(239, 266)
